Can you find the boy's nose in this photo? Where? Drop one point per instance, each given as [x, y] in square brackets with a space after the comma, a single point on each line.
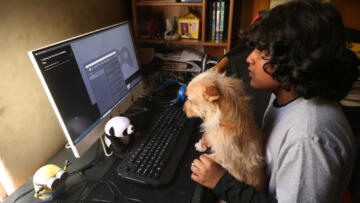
[250, 59]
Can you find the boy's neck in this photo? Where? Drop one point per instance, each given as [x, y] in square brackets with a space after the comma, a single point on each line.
[283, 96]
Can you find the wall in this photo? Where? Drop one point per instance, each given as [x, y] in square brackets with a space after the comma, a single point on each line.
[274, 3]
[30, 133]
[349, 10]
[249, 9]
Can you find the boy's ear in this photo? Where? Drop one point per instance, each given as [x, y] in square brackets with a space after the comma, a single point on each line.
[211, 93]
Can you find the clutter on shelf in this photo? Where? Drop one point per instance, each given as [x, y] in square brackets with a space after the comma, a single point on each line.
[181, 60]
[152, 27]
[170, 33]
[353, 98]
[185, 60]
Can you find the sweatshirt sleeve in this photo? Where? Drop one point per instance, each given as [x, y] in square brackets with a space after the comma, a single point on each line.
[231, 190]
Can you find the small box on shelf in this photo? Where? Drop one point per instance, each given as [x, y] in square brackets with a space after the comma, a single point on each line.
[189, 26]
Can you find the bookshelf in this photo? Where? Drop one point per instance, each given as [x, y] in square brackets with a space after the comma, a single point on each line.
[171, 9]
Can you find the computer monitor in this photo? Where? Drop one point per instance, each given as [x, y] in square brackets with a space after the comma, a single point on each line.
[88, 79]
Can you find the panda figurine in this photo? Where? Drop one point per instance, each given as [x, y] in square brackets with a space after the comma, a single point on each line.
[118, 134]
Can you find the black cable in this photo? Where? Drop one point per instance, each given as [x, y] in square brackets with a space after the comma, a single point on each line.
[82, 169]
[110, 186]
[128, 199]
[23, 194]
[88, 189]
[78, 185]
[84, 192]
[118, 190]
[95, 186]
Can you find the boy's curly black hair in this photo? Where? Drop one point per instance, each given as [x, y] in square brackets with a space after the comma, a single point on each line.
[305, 44]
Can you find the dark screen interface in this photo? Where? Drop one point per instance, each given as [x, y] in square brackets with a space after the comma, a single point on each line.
[89, 75]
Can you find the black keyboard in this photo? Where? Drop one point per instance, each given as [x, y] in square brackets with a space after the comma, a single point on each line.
[154, 159]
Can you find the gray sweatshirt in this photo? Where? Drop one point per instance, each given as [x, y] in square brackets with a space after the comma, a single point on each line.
[310, 151]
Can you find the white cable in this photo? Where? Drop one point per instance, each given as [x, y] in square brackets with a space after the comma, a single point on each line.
[104, 147]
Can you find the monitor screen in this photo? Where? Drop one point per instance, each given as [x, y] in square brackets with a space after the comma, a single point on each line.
[87, 78]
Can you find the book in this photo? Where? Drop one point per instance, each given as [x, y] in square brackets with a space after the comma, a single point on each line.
[217, 29]
[213, 21]
[222, 19]
[208, 21]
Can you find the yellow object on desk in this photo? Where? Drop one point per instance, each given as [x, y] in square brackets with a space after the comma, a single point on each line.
[189, 26]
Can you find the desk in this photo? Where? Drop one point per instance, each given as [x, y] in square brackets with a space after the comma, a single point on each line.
[181, 189]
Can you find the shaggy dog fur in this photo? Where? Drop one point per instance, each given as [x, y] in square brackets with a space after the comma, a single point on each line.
[228, 125]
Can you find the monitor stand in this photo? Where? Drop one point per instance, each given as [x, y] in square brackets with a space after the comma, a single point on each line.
[105, 148]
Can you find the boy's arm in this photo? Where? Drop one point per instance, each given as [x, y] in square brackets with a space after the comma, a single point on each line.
[231, 190]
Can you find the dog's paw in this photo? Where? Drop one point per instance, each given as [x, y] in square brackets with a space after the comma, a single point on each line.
[199, 147]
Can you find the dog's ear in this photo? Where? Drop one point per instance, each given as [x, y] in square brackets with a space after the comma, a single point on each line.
[211, 93]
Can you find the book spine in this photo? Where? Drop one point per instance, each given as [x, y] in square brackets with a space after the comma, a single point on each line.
[213, 21]
[222, 19]
[217, 32]
[208, 21]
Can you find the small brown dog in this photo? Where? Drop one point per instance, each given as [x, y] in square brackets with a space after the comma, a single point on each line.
[228, 125]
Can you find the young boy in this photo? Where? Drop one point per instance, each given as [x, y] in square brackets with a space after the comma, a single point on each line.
[300, 56]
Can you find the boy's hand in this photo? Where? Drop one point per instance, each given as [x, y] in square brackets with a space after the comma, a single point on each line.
[206, 172]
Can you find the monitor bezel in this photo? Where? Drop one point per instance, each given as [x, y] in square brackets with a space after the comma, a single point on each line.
[87, 141]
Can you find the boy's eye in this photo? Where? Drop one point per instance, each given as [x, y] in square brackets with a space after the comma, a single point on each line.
[266, 57]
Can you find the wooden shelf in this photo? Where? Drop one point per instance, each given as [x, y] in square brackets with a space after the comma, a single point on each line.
[139, 6]
[224, 43]
[184, 42]
[163, 41]
[150, 3]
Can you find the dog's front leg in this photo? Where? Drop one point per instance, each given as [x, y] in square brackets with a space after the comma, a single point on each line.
[199, 146]
[202, 144]
[214, 158]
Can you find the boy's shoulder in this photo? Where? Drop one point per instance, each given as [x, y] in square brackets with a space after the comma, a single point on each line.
[317, 119]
